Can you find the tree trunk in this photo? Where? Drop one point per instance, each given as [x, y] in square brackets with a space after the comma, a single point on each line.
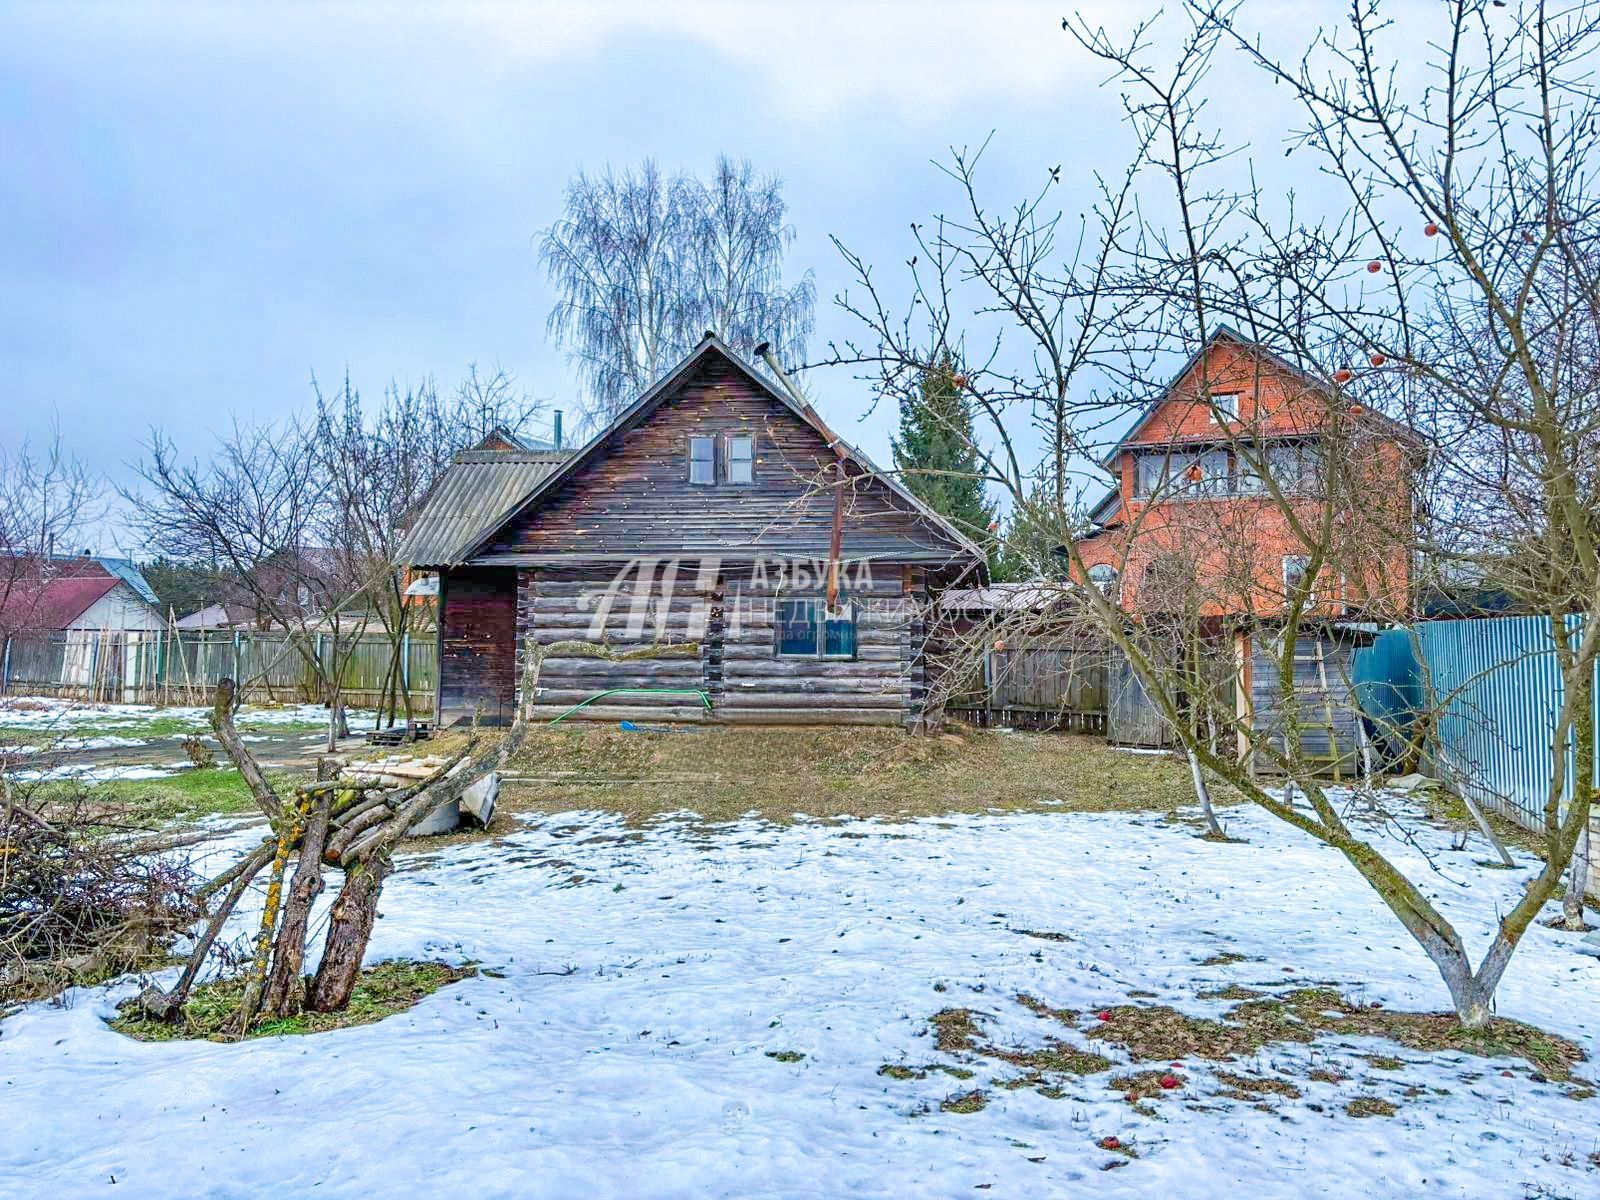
[285, 994]
[349, 929]
[1577, 883]
[289, 826]
[1203, 792]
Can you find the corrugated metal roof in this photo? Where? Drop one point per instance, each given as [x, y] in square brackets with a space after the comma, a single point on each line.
[481, 488]
[129, 573]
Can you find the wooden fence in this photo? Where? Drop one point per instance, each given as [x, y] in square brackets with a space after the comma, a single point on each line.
[183, 668]
[1038, 689]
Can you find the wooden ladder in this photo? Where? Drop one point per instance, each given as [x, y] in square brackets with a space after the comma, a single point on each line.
[1334, 757]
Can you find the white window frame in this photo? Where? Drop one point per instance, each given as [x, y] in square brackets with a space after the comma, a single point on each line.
[710, 441]
[729, 458]
[1225, 406]
[1108, 580]
[1303, 562]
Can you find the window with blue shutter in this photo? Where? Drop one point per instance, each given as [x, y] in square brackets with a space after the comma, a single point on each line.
[806, 629]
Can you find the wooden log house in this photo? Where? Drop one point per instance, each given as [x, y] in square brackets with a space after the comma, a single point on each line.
[688, 548]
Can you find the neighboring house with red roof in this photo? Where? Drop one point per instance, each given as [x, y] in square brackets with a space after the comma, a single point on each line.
[79, 608]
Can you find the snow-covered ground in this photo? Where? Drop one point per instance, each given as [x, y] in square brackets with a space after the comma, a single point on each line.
[695, 954]
[57, 715]
[68, 728]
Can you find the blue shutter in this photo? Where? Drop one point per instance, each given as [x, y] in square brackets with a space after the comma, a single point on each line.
[797, 627]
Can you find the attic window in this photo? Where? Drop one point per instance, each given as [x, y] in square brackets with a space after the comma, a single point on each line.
[741, 458]
[1224, 406]
[703, 460]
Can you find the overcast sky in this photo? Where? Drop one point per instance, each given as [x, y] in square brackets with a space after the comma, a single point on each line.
[200, 208]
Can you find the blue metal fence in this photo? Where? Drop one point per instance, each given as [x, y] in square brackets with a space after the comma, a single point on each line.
[1497, 685]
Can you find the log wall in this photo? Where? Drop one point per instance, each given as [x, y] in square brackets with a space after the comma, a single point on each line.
[713, 630]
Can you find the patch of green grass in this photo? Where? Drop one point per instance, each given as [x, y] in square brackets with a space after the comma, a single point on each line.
[1226, 958]
[1056, 1058]
[966, 1102]
[187, 795]
[383, 990]
[900, 1071]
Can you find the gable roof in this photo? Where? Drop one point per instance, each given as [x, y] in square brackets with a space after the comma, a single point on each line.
[1220, 333]
[55, 604]
[1399, 429]
[477, 518]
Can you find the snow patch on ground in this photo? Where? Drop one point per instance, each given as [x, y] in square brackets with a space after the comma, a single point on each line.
[45, 712]
[106, 774]
[696, 953]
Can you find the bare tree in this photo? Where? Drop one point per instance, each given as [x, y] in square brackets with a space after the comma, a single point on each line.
[1490, 158]
[644, 263]
[49, 501]
[376, 465]
[256, 510]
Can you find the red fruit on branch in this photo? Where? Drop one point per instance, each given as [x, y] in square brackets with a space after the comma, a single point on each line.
[1343, 376]
[999, 643]
[1378, 360]
[1430, 230]
[1374, 266]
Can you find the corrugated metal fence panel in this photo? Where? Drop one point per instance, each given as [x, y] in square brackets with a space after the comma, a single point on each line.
[1499, 687]
[1388, 686]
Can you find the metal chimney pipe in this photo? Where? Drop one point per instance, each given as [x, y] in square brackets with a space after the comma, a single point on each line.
[771, 359]
[556, 423]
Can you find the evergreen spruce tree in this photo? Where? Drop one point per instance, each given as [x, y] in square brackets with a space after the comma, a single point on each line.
[936, 455]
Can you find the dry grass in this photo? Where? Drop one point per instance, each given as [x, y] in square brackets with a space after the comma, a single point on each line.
[383, 990]
[1370, 1106]
[1162, 1034]
[781, 773]
[1156, 1032]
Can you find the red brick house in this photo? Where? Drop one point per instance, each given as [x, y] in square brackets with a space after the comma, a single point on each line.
[1191, 523]
[1189, 484]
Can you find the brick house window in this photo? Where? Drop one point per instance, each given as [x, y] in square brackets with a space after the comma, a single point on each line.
[1297, 577]
[1225, 406]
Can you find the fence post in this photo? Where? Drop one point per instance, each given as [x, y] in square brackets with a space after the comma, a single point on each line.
[5, 668]
[405, 663]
